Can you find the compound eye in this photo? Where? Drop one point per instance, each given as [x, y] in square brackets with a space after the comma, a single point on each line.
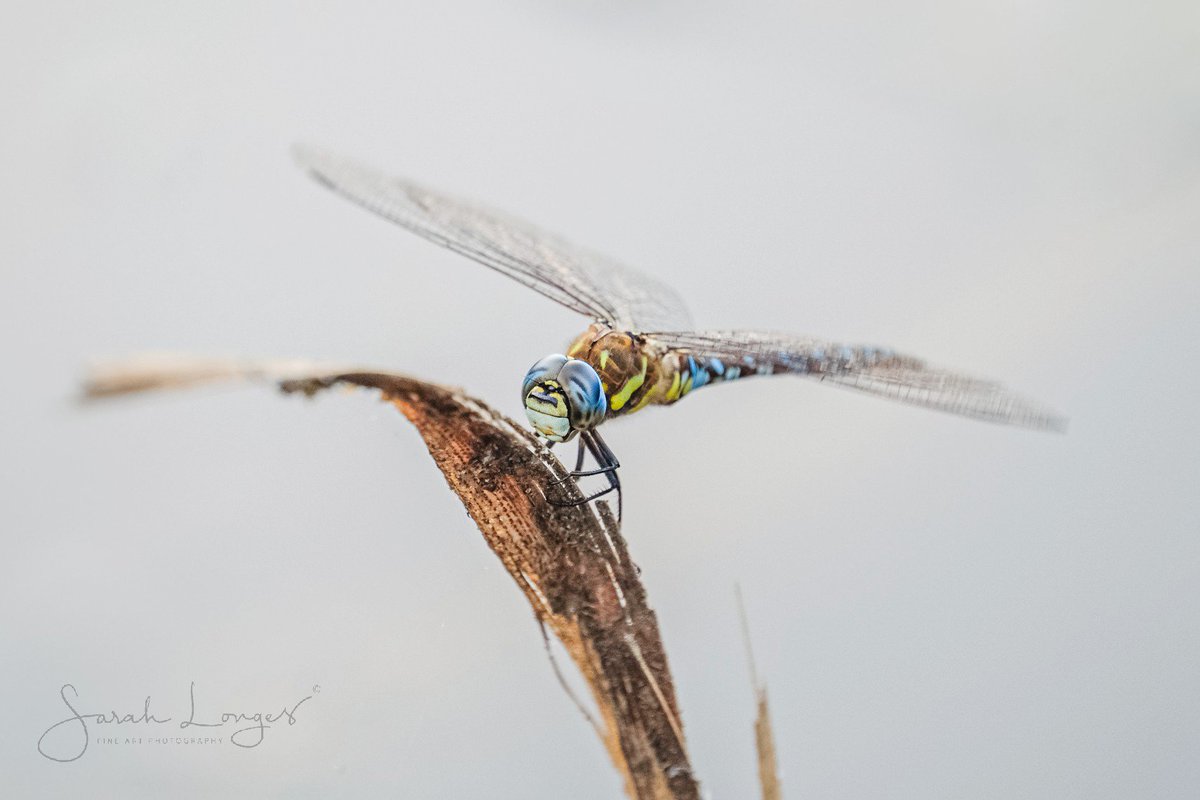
[546, 369]
[585, 394]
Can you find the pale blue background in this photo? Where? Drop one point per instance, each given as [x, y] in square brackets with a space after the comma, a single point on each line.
[942, 609]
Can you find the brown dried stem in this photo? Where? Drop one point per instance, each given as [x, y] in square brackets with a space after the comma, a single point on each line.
[570, 561]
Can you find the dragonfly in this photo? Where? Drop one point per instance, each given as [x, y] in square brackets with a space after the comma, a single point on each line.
[641, 349]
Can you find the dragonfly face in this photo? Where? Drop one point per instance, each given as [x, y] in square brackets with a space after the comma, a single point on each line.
[563, 396]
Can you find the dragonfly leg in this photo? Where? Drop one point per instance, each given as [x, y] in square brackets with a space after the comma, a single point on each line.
[579, 456]
[608, 466]
[579, 471]
[609, 459]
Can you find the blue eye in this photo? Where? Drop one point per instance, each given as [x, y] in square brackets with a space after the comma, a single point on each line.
[546, 369]
[585, 394]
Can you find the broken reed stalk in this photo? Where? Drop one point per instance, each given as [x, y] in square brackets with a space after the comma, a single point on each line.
[570, 562]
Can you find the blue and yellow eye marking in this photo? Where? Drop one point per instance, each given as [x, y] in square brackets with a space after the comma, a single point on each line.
[563, 396]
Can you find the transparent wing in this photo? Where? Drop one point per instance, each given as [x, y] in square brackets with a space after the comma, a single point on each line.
[575, 277]
[876, 371]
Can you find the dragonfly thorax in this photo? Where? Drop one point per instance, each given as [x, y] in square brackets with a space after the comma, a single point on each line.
[563, 396]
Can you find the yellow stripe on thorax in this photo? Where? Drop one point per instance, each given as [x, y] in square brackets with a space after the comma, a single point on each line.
[618, 400]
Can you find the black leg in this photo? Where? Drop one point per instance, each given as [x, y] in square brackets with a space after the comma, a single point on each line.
[579, 471]
[608, 458]
[579, 457]
[608, 466]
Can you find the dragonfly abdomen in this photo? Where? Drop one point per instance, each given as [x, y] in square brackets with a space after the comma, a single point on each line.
[636, 371]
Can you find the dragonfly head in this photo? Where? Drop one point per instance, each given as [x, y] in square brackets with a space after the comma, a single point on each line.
[562, 397]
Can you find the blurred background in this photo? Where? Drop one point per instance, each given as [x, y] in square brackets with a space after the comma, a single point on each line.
[940, 608]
